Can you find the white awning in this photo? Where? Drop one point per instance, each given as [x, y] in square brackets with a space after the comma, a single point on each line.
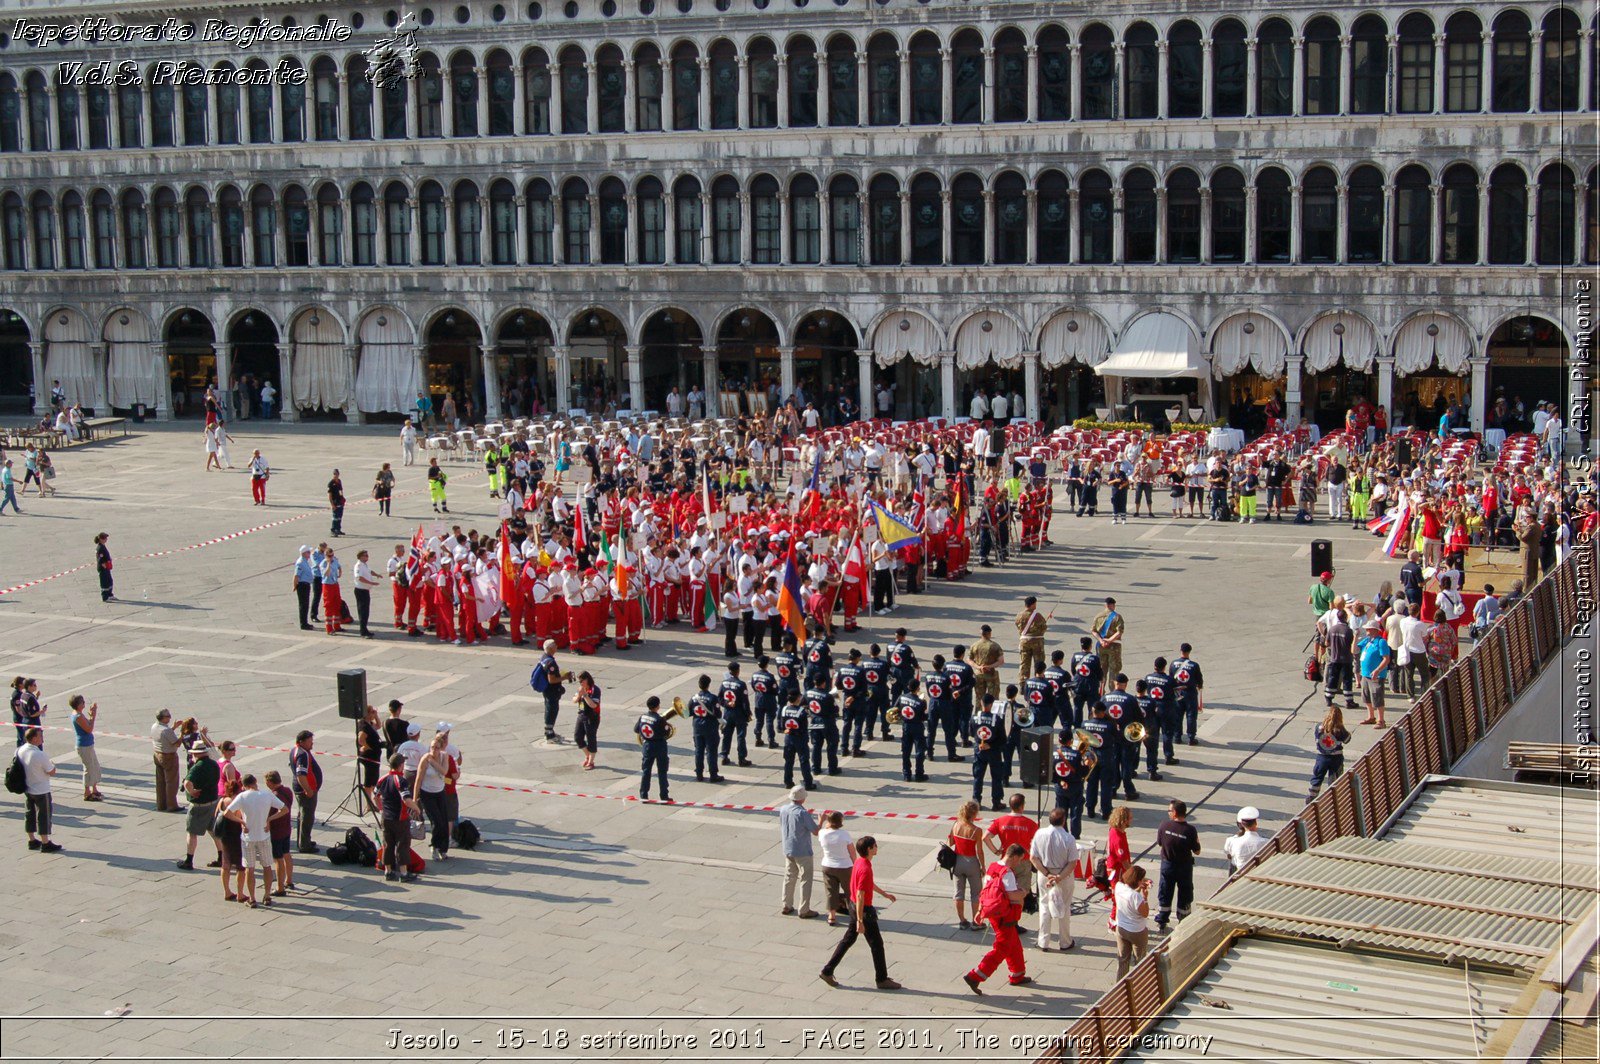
[1073, 336]
[1432, 338]
[1340, 337]
[1249, 341]
[1157, 345]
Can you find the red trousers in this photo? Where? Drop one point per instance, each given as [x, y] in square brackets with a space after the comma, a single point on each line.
[258, 490]
[619, 614]
[441, 623]
[658, 602]
[938, 547]
[633, 613]
[332, 607]
[577, 625]
[516, 605]
[852, 597]
[674, 597]
[467, 620]
[558, 623]
[1007, 947]
[541, 621]
[697, 604]
[401, 594]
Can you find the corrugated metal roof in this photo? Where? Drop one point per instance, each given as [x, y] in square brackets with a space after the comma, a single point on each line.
[1393, 849]
[1403, 896]
[1568, 1041]
[1268, 999]
[1540, 823]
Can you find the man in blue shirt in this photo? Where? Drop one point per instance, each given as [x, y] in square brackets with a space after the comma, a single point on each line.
[798, 829]
[8, 486]
[1374, 652]
[305, 574]
[424, 410]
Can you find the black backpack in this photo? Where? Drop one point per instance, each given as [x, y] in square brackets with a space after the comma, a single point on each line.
[339, 853]
[360, 848]
[16, 776]
[466, 834]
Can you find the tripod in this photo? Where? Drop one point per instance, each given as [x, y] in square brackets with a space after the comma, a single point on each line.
[361, 810]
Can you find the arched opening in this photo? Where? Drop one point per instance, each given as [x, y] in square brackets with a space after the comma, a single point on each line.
[1369, 66]
[1463, 62]
[883, 81]
[1011, 218]
[1431, 353]
[387, 380]
[525, 362]
[1053, 224]
[1508, 215]
[1527, 356]
[1413, 210]
[16, 366]
[905, 349]
[747, 358]
[452, 366]
[1071, 344]
[1557, 236]
[647, 88]
[253, 341]
[989, 350]
[805, 221]
[826, 366]
[1183, 216]
[1513, 48]
[883, 201]
[966, 78]
[1231, 69]
[1364, 224]
[1139, 216]
[1558, 72]
[1010, 76]
[191, 362]
[1249, 357]
[536, 91]
[320, 370]
[1322, 67]
[671, 357]
[844, 216]
[844, 102]
[803, 80]
[1141, 77]
[463, 95]
[1340, 350]
[1095, 228]
[1459, 224]
[613, 221]
[966, 220]
[597, 343]
[1097, 87]
[927, 221]
[762, 60]
[69, 359]
[927, 81]
[724, 73]
[1055, 75]
[574, 90]
[685, 87]
[611, 84]
[129, 376]
[1415, 82]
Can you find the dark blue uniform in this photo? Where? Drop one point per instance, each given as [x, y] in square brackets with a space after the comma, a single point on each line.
[1151, 715]
[1187, 683]
[819, 662]
[913, 714]
[788, 669]
[653, 730]
[1329, 766]
[1039, 696]
[1060, 681]
[941, 711]
[1102, 783]
[877, 674]
[989, 733]
[961, 680]
[1086, 677]
[705, 715]
[765, 686]
[1069, 770]
[855, 709]
[1163, 700]
[902, 667]
[735, 717]
[1122, 709]
[824, 717]
[792, 723]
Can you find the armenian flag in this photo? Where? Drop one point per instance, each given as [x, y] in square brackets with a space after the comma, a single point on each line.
[790, 608]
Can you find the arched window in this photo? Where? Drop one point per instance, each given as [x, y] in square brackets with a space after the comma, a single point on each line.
[1183, 215]
[1319, 216]
[1364, 221]
[1227, 215]
[613, 221]
[574, 91]
[844, 218]
[843, 93]
[1513, 43]
[502, 223]
[163, 112]
[395, 106]
[1274, 68]
[502, 94]
[1416, 65]
[1010, 218]
[688, 220]
[358, 97]
[536, 91]
[1459, 222]
[258, 102]
[430, 201]
[575, 221]
[67, 104]
[1508, 216]
[966, 220]
[927, 81]
[805, 221]
[1558, 76]
[325, 93]
[647, 88]
[803, 73]
[1053, 239]
[44, 232]
[649, 195]
[230, 214]
[463, 95]
[1554, 221]
[168, 230]
[1230, 60]
[430, 96]
[927, 221]
[195, 100]
[766, 221]
[16, 227]
[685, 87]
[1322, 67]
[1055, 75]
[296, 226]
[227, 102]
[130, 116]
[134, 249]
[1097, 73]
[883, 81]
[1141, 77]
[1413, 216]
[1138, 215]
[292, 98]
[330, 226]
[1463, 62]
[468, 224]
[883, 199]
[103, 220]
[611, 84]
[363, 226]
[72, 251]
[1010, 76]
[198, 206]
[966, 78]
[1185, 71]
[396, 224]
[1094, 217]
[1274, 216]
[10, 120]
[1369, 66]
[99, 100]
[724, 73]
[541, 222]
[38, 113]
[725, 220]
[763, 74]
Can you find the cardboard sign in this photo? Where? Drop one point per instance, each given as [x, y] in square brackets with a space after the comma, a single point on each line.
[505, 511]
[738, 504]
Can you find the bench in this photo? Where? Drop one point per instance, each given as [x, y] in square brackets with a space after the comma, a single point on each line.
[49, 438]
[93, 425]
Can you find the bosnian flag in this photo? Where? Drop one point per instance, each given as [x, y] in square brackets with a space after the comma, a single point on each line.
[1392, 543]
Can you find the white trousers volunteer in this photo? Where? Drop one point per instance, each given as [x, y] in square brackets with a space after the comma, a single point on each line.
[1055, 910]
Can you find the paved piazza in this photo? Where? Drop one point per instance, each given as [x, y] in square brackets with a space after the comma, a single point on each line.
[582, 915]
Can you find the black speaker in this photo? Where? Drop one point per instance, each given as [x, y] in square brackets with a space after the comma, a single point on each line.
[1321, 556]
[1402, 451]
[1035, 750]
[353, 693]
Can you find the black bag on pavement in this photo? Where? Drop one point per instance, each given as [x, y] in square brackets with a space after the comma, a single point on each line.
[338, 853]
[466, 834]
[360, 849]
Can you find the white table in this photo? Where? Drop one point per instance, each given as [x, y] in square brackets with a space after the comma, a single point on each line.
[1494, 439]
[1225, 439]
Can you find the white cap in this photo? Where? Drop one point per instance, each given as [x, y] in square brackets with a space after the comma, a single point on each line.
[1249, 812]
[797, 794]
[414, 729]
[304, 549]
[443, 727]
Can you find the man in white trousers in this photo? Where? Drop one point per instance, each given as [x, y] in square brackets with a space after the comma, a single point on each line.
[1054, 855]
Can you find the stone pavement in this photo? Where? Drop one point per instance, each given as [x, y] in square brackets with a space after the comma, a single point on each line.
[578, 916]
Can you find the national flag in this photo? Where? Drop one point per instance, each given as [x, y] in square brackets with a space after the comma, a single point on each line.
[1393, 543]
[1379, 524]
[895, 532]
[579, 541]
[672, 511]
[812, 496]
[958, 530]
[414, 558]
[790, 606]
[855, 560]
[508, 575]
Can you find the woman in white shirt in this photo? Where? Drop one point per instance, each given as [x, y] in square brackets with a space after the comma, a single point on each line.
[838, 858]
[1133, 917]
[429, 792]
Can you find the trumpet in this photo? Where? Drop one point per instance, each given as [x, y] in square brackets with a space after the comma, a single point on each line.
[1086, 739]
[1024, 716]
[1135, 732]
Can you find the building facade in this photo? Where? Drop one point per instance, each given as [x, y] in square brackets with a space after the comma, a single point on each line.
[594, 201]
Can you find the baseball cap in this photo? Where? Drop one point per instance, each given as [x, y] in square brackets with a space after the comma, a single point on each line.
[1249, 812]
[1327, 574]
[413, 729]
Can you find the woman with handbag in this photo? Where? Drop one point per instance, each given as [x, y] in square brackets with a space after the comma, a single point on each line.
[432, 772]
[383, 489]
[966, 838]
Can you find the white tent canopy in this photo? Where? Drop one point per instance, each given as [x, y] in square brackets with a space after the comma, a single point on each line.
[1340, 337]
[1158, 345]
[1429, 338]
[1249, 341]
[1073, 336]
[906, 335]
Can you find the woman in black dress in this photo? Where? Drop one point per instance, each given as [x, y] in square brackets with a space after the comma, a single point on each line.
[230, 842]
[369, 751]
[102, 562]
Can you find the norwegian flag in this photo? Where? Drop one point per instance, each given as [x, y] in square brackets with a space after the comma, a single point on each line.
[414, 558]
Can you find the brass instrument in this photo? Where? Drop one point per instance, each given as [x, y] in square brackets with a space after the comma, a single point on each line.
[1086, 739]
[1135, 732]
[891, 716]
[1024, 716]
[677, 710]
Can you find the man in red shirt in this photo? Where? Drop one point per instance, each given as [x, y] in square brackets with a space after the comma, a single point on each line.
[865, 922]
[1015, 829]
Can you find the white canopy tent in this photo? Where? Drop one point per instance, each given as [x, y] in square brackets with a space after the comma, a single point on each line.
[1158, 346]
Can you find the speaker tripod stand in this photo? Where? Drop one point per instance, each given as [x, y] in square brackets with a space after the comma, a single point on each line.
[361, 809]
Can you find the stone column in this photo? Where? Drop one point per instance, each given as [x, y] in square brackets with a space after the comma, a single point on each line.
[862, 118]
[746, 237]
[824, 88]
[864, 396]
[703, 202]
[1388, 224]
[519, 100]
[1295, 214]
[635, 354]
[1291, 394]
[563, 397]
[491, 383]
[592, 118]
[1205, 225]
[1117, 68]
[905, 88]
[225, 374]
[1438, 73]
[1073, 68]
[1074, 251]
[1529, 245]
[1478, 366]
[630, 240]
[101, 353]
[41, 384]
[670, 203]
[288, 411]
[705, 92]
[1485, 66]
[944, 227]
[785, 372]
[1030, 385]
[741, 117]
[1483, 221]
[1436, 224]
[481, 127]
[1536, 71]
[163, 396]
[630, 103]
[1585, 70]
[947, 383]
[1299, 75]
[1033, 82]
[947, 91]
[1342, 216]
[986, 106]
[341, 105]
[783, 90]
[1386, 384]
[824, 227]
[1206, 78]
[1344, 73]
[352, 413]
[1250, 223]
[280, 234]
[1161, 224]
[1250, 77]
[905, 228]
[414, 232]
[863, 239]
[1117, 227]
[1033, 226]
[713, 385]
[1162, 97]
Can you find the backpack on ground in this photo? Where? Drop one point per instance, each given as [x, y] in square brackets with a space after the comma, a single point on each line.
[1313, 669]
[339, 853]
[466, 834]
[993, 902]
[16, 776]
[361, 850]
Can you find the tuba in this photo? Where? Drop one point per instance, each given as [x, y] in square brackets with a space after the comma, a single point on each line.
[675, 711]
[1086, 739]
[1023, 716]
[1135, 732]
[1085, 743]
[891, 717]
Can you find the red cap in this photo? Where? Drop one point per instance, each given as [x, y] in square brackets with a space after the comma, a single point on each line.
[1327, 575]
